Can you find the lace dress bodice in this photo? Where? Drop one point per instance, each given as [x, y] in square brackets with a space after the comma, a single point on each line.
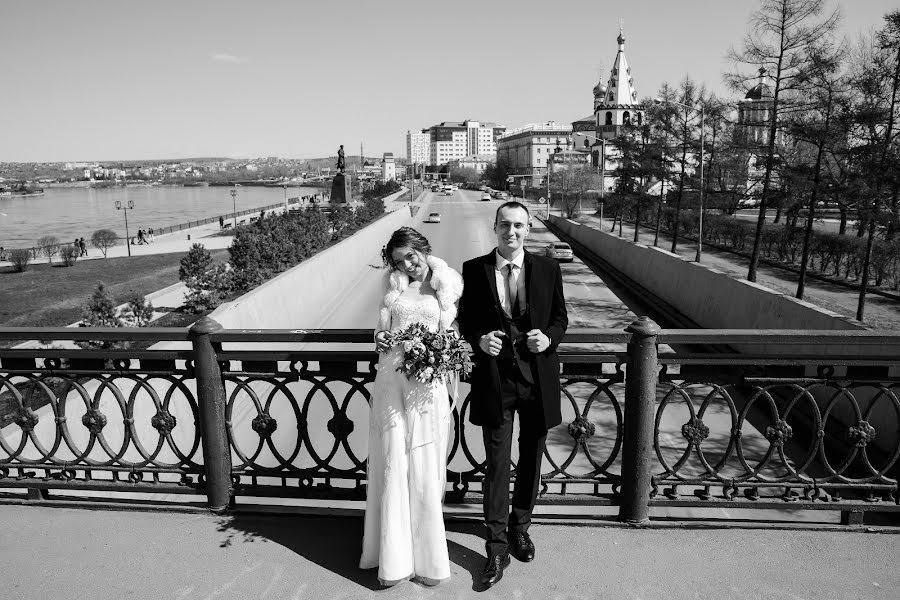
[408, 309]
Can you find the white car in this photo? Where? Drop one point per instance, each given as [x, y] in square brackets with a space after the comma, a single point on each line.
[561, 251]
[433, 218]
[485, 196]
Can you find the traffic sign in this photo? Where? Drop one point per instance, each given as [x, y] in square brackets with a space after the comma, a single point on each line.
[542, 200]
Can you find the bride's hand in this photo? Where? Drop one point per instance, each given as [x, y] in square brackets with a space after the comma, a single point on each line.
[381, 341]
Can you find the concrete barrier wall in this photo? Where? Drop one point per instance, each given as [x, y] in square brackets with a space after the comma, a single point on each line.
[296, 298]
[710, 298]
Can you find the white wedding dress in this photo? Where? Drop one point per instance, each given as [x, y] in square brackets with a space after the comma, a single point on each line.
[409, 432]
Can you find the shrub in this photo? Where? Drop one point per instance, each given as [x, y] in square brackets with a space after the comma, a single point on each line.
[137, 312]
[207, 284]
[69, 254]
[20, 258]
[100, 311]
[48, 245]
[103, 240]
[195, 263]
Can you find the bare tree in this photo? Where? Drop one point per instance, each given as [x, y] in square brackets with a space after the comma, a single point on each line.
[781, 33]
[685, 133]
[103, 240]
[884, 72]
[824, 88]
[48, 245]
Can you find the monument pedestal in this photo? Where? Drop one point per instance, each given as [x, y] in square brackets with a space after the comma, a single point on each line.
[340, 189]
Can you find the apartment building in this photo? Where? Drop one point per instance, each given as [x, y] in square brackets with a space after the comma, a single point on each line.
[456, 140]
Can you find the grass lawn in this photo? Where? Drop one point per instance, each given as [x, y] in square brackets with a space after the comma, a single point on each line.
[52, 295]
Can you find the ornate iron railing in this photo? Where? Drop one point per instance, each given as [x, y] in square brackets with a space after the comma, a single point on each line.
[238, 414]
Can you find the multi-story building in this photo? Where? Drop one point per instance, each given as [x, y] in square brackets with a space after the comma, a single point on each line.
[417, 147]
[388, 167]
[527, 150]
[452, 140]
[479, 162]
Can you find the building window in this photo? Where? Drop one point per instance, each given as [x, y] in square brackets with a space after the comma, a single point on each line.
[609, 118]
[639, 118]
[626, 118]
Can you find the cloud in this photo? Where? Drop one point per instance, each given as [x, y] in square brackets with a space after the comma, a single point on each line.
[230, 58]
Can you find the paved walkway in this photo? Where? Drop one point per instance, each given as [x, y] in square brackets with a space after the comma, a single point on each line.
[63, 553]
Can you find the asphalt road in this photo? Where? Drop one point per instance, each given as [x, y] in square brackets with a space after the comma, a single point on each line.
[466, 231]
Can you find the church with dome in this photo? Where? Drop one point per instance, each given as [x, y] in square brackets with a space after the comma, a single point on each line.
[615, 106]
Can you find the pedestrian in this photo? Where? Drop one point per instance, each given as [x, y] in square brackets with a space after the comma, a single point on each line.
[513, 313]
[150, 233]
[83, 247]
[221, 222]
[141, 239]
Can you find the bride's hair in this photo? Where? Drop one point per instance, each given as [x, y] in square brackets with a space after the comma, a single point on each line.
[404, 237]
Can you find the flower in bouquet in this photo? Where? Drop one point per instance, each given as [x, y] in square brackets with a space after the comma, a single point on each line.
[430, 355]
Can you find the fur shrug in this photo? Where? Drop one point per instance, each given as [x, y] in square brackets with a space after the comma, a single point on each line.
[447, 284]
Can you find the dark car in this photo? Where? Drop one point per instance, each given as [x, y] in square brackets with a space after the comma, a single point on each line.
[561, 251]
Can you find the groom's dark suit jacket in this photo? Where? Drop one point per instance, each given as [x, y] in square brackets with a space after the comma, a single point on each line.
[480, 312]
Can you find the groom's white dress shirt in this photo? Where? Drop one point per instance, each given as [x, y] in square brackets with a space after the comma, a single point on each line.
[500, 271]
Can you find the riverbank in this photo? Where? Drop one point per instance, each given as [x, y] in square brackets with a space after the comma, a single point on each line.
[69, 213]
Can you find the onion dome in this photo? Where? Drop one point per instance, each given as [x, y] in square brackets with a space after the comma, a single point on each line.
[762, 90]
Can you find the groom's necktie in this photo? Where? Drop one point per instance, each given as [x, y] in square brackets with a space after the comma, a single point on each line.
[512, 290]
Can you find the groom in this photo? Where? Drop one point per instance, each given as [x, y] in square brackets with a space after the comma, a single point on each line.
[513, 313]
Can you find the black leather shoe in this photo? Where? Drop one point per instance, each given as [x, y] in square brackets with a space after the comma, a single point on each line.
[493, 569]
[521, 546]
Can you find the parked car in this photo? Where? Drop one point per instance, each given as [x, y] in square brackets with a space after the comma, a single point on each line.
[561, 251]
[485, 196]
[433, 218]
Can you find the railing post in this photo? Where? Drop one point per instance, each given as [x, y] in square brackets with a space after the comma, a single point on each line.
[637, 438]
[211, 401]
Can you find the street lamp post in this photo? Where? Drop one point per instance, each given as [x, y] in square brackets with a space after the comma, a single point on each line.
[234, 207]
[126, 206]
[702, 110]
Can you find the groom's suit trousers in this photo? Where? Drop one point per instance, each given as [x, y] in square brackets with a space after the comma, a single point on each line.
[517, 397]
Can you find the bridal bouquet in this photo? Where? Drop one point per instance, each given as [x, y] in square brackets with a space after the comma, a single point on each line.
[430, 355]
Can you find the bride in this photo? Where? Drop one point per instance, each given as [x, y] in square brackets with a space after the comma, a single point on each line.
[410, 424]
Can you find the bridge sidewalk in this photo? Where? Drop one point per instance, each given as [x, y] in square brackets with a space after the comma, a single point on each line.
[55, 553]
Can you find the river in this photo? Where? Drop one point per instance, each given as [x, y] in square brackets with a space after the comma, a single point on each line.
[68, 213]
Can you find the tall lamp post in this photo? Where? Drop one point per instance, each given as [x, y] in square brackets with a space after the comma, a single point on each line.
[126, 206]
[234, 207]
[601, 169]
[701, 109]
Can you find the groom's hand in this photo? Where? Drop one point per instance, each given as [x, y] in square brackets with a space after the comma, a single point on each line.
[490, 343]
[537, 341]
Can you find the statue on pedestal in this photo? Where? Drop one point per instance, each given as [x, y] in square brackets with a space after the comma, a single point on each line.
[340, 162]
[340, 185]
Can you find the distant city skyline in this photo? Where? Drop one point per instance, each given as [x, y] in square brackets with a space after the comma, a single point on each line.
[107, 80]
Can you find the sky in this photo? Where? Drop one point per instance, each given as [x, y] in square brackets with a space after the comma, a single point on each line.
[128, 80]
